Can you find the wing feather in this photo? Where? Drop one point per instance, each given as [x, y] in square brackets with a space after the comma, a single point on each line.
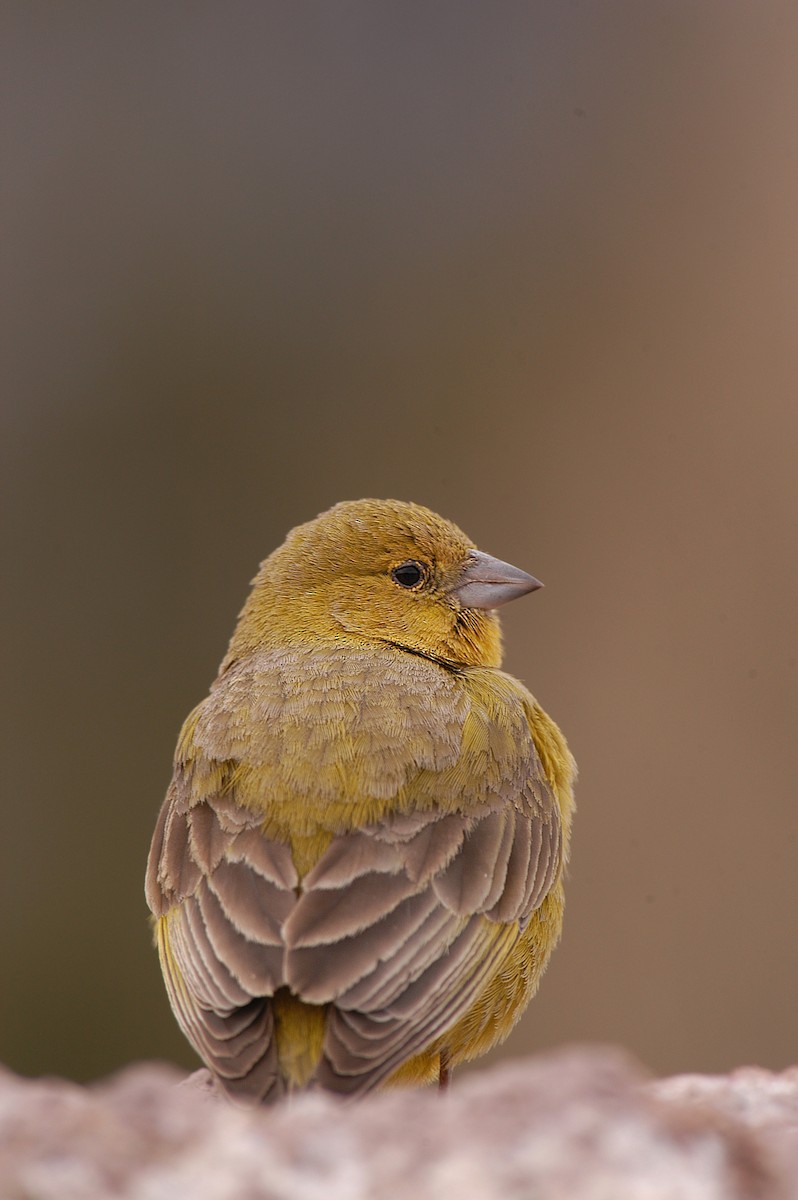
[256, 967]
[178, 873]
[348, 859]
[465, 884]
[322, 974]
[207, 840]
[270, 859]
[498, 865]
[254, 906]
[510, 904]
[384, 1041]
[434, 846]
[430, 938]
[207, 975]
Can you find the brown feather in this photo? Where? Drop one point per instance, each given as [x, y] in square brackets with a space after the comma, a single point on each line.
[509, 905]
[328, 915]
[253, 905]
[432, 849]
[324, 973]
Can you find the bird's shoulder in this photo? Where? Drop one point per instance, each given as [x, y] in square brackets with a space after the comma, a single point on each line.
[502, 706]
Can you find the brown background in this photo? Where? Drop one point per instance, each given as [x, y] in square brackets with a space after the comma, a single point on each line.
[532, 264]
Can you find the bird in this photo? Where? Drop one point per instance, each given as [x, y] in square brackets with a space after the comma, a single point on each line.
[356, 878]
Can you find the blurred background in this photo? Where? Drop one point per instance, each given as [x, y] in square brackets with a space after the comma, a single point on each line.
[534, 265]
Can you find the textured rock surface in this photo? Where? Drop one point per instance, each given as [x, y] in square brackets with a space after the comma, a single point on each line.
[580, 1124]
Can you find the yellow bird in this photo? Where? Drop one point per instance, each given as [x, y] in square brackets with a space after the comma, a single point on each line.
[357, 873]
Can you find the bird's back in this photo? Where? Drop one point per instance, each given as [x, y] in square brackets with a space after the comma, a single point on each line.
[358, 866]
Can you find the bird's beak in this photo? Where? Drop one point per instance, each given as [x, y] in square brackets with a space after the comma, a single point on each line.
[488, 582]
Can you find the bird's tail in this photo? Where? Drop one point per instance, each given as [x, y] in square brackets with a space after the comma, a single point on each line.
[299, 1037]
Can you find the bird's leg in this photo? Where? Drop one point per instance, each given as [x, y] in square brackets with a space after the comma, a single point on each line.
[444, 1071]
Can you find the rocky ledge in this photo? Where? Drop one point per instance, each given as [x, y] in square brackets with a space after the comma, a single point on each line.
[578, 1124]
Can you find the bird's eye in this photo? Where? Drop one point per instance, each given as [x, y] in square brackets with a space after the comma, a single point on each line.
[409, 574]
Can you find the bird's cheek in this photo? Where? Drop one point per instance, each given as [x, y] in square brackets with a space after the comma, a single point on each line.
[355, 615]
[402, 623]
[347, 617]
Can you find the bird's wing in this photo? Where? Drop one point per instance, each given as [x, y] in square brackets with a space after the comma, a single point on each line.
[221, 891]
[401, 926]
[398, 926]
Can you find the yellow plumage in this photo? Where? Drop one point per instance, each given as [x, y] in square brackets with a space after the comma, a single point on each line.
[358, 870]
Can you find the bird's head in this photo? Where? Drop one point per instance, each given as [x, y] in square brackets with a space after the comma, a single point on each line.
[385, 571]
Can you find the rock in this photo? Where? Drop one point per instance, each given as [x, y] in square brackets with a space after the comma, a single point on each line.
[580, 1124]
[764, 1103]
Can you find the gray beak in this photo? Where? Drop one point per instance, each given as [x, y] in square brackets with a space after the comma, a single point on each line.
[488, 582]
